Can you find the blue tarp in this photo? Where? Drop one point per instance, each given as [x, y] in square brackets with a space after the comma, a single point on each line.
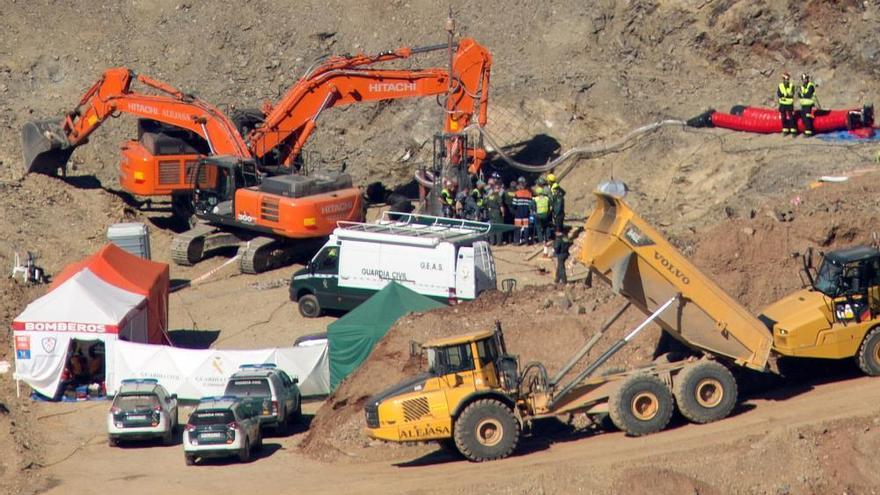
[847, 136]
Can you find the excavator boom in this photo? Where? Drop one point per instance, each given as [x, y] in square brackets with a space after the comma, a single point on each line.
[642, 266]
[344, 81]
[48, 144]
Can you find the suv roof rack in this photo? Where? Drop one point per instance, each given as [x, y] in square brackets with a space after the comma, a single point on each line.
[141, 380]
[215, 398]
[258, 366]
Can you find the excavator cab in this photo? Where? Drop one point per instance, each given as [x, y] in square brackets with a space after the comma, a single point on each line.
[214, 190]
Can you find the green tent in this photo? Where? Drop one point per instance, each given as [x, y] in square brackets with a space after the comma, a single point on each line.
[352, 337]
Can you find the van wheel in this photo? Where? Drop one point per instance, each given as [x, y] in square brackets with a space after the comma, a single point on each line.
[282, 426]
[309, 306]
[642, 405]
[869, 353]
[486, 430]
[705, 391]
[168, 437]
[296, 416]
[244, 455]
[112, 442]
[190, 459]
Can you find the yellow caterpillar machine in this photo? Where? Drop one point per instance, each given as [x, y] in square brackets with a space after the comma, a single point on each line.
[476, 397]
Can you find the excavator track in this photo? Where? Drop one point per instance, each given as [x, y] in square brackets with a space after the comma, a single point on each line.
[188, 248]
[261, 254]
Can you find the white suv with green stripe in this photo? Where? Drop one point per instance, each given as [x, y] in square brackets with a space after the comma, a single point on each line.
[142, 409]
[221, 427]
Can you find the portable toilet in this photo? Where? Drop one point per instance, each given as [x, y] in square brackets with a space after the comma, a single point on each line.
[132, 237]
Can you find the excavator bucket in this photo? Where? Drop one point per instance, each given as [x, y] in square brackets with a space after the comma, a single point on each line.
[45, 147]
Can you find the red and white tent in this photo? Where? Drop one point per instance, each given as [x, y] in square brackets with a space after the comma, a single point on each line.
[112, 295]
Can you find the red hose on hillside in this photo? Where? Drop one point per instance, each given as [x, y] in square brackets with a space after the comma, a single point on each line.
[768, 121]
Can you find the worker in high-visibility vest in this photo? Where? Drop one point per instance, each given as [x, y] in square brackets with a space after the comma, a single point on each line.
[522, 202]
[478, 194]
[447, 199]
[542, 216]
[785, 94]
[807, 98]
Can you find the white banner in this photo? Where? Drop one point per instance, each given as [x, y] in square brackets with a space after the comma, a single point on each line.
[193, 374]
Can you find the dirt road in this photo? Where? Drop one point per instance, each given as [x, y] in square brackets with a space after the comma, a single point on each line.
[674, 460]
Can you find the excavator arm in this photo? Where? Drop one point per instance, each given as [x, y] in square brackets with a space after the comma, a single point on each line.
[48, 144]
[343, 81]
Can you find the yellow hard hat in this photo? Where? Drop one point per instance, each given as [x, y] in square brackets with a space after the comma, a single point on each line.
[539, 190]
[551, 178]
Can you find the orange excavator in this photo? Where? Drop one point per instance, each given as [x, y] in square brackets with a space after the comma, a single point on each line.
[238, 205]
[186, 145]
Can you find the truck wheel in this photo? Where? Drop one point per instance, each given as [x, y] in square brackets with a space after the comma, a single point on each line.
[190, 459]
[486, 430]
[112, 442]
[705, 391]
[309, 306]
[642, 405]
[244, 455]
[869, 353]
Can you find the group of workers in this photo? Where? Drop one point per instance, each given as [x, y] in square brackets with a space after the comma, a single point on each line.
[806, 97]
[537, 212]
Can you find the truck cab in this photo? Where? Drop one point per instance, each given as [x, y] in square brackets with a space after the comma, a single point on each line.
[831, 317]
[461, 370]
[445, 261]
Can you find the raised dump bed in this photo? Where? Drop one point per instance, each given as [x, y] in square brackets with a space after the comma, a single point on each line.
[642, 266]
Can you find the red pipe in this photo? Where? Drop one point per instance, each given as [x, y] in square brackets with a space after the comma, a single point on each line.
[768, 121]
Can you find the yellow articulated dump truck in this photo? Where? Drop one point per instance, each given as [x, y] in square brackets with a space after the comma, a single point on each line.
[476, 397]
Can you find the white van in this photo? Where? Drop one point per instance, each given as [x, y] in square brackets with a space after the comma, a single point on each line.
[445, 259]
